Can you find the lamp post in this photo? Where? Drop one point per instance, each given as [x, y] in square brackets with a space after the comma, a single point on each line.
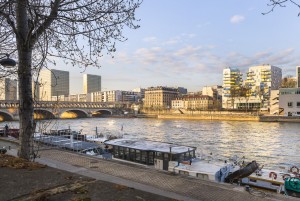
[7, 62]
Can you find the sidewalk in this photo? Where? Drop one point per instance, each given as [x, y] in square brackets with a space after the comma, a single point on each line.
[149, 179]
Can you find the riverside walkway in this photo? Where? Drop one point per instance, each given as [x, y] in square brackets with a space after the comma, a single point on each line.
[149, 179]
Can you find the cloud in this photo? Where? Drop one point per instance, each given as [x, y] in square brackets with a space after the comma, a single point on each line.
[195, 65]
[237, 19]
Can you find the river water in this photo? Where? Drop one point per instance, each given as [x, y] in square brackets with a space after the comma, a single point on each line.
[275, 144]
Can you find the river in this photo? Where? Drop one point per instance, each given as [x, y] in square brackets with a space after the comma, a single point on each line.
[273, 144]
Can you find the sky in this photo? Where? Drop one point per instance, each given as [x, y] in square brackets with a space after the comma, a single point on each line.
[188, 43]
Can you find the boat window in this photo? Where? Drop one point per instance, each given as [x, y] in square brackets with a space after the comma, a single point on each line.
[275, 184]
[252, 180]
[183, 172]
[202, 176]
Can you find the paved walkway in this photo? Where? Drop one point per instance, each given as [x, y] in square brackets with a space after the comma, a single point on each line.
[149, 179]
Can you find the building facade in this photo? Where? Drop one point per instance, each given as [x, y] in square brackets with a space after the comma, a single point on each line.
[91, 83]
[298, 76]
[232, 81]
[53, 83]
[8, 89]
[259, 83]
[215, 92]
[160, 97]
[193, 102]
[289, 101]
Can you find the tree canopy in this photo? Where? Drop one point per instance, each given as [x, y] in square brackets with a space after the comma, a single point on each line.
[39, 31]
[76, 30]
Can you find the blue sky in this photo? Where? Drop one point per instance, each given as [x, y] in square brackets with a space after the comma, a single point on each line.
[189, 43]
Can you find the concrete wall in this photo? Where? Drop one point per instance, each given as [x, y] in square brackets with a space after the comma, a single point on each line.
[227, 117]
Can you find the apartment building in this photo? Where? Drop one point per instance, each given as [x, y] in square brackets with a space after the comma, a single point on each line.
[53, 83]
[129, 96]
[232, 81]
[160, 97]
[140, 93]
[215, 92]
[193, 102]
[91, 83]
[260, 81]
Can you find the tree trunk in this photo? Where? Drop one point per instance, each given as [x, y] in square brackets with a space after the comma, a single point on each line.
[25, 81]
[26, 104]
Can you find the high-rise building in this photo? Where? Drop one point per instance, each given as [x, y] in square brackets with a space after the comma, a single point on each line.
[91, 83]
[260, 81]
[53, 83]
[232, 81]
[298, 76]
[8, 89]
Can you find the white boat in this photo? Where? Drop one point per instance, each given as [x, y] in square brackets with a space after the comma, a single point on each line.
[231, 172]
[204, 169]
[270, 179]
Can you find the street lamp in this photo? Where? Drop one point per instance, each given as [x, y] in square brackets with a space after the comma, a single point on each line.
[7, 62]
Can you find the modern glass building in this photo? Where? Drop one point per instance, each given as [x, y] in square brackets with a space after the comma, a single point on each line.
[53, 83]
[91, 83]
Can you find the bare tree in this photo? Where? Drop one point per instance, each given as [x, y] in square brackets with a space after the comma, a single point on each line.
[281, 3]
[38, 32]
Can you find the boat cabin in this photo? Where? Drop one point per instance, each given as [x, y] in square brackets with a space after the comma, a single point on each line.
[150, 152]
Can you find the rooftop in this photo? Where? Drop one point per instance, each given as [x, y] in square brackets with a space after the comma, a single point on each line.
[151, 146]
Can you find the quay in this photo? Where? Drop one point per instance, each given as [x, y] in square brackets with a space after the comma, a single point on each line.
[148, 179]
[219, 116]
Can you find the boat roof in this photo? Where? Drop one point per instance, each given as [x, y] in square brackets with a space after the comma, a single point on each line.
[65, 142]
[147, 145]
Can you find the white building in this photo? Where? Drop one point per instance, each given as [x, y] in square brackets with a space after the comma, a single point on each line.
[91, 83]
[232, 81]
[260, 81]
[274, 102]
[106, 96]
[53, 83]
[289, 101]
[140, 93]
[8, 89]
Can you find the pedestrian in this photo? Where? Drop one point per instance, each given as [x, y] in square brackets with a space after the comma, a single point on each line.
[6, 130]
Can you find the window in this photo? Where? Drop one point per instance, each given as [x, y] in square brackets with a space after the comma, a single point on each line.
[290, 104]
[298, 104]
[183, 172]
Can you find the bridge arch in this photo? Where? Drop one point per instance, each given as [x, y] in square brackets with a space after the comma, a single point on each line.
[101, 113]
[4, 116]
[73, 114]
[43, 114]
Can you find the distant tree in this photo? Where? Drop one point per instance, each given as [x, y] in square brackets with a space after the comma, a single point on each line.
[39, 31]
[243, 93]
[288, 82]
[234, 93]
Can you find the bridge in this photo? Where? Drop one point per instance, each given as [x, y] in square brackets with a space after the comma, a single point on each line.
[9, 110]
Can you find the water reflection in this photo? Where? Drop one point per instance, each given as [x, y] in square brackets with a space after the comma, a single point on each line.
[272, 144]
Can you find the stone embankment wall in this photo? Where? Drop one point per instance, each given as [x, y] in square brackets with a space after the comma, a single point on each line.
[228, 117]
[279, 119]
[219, 115]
